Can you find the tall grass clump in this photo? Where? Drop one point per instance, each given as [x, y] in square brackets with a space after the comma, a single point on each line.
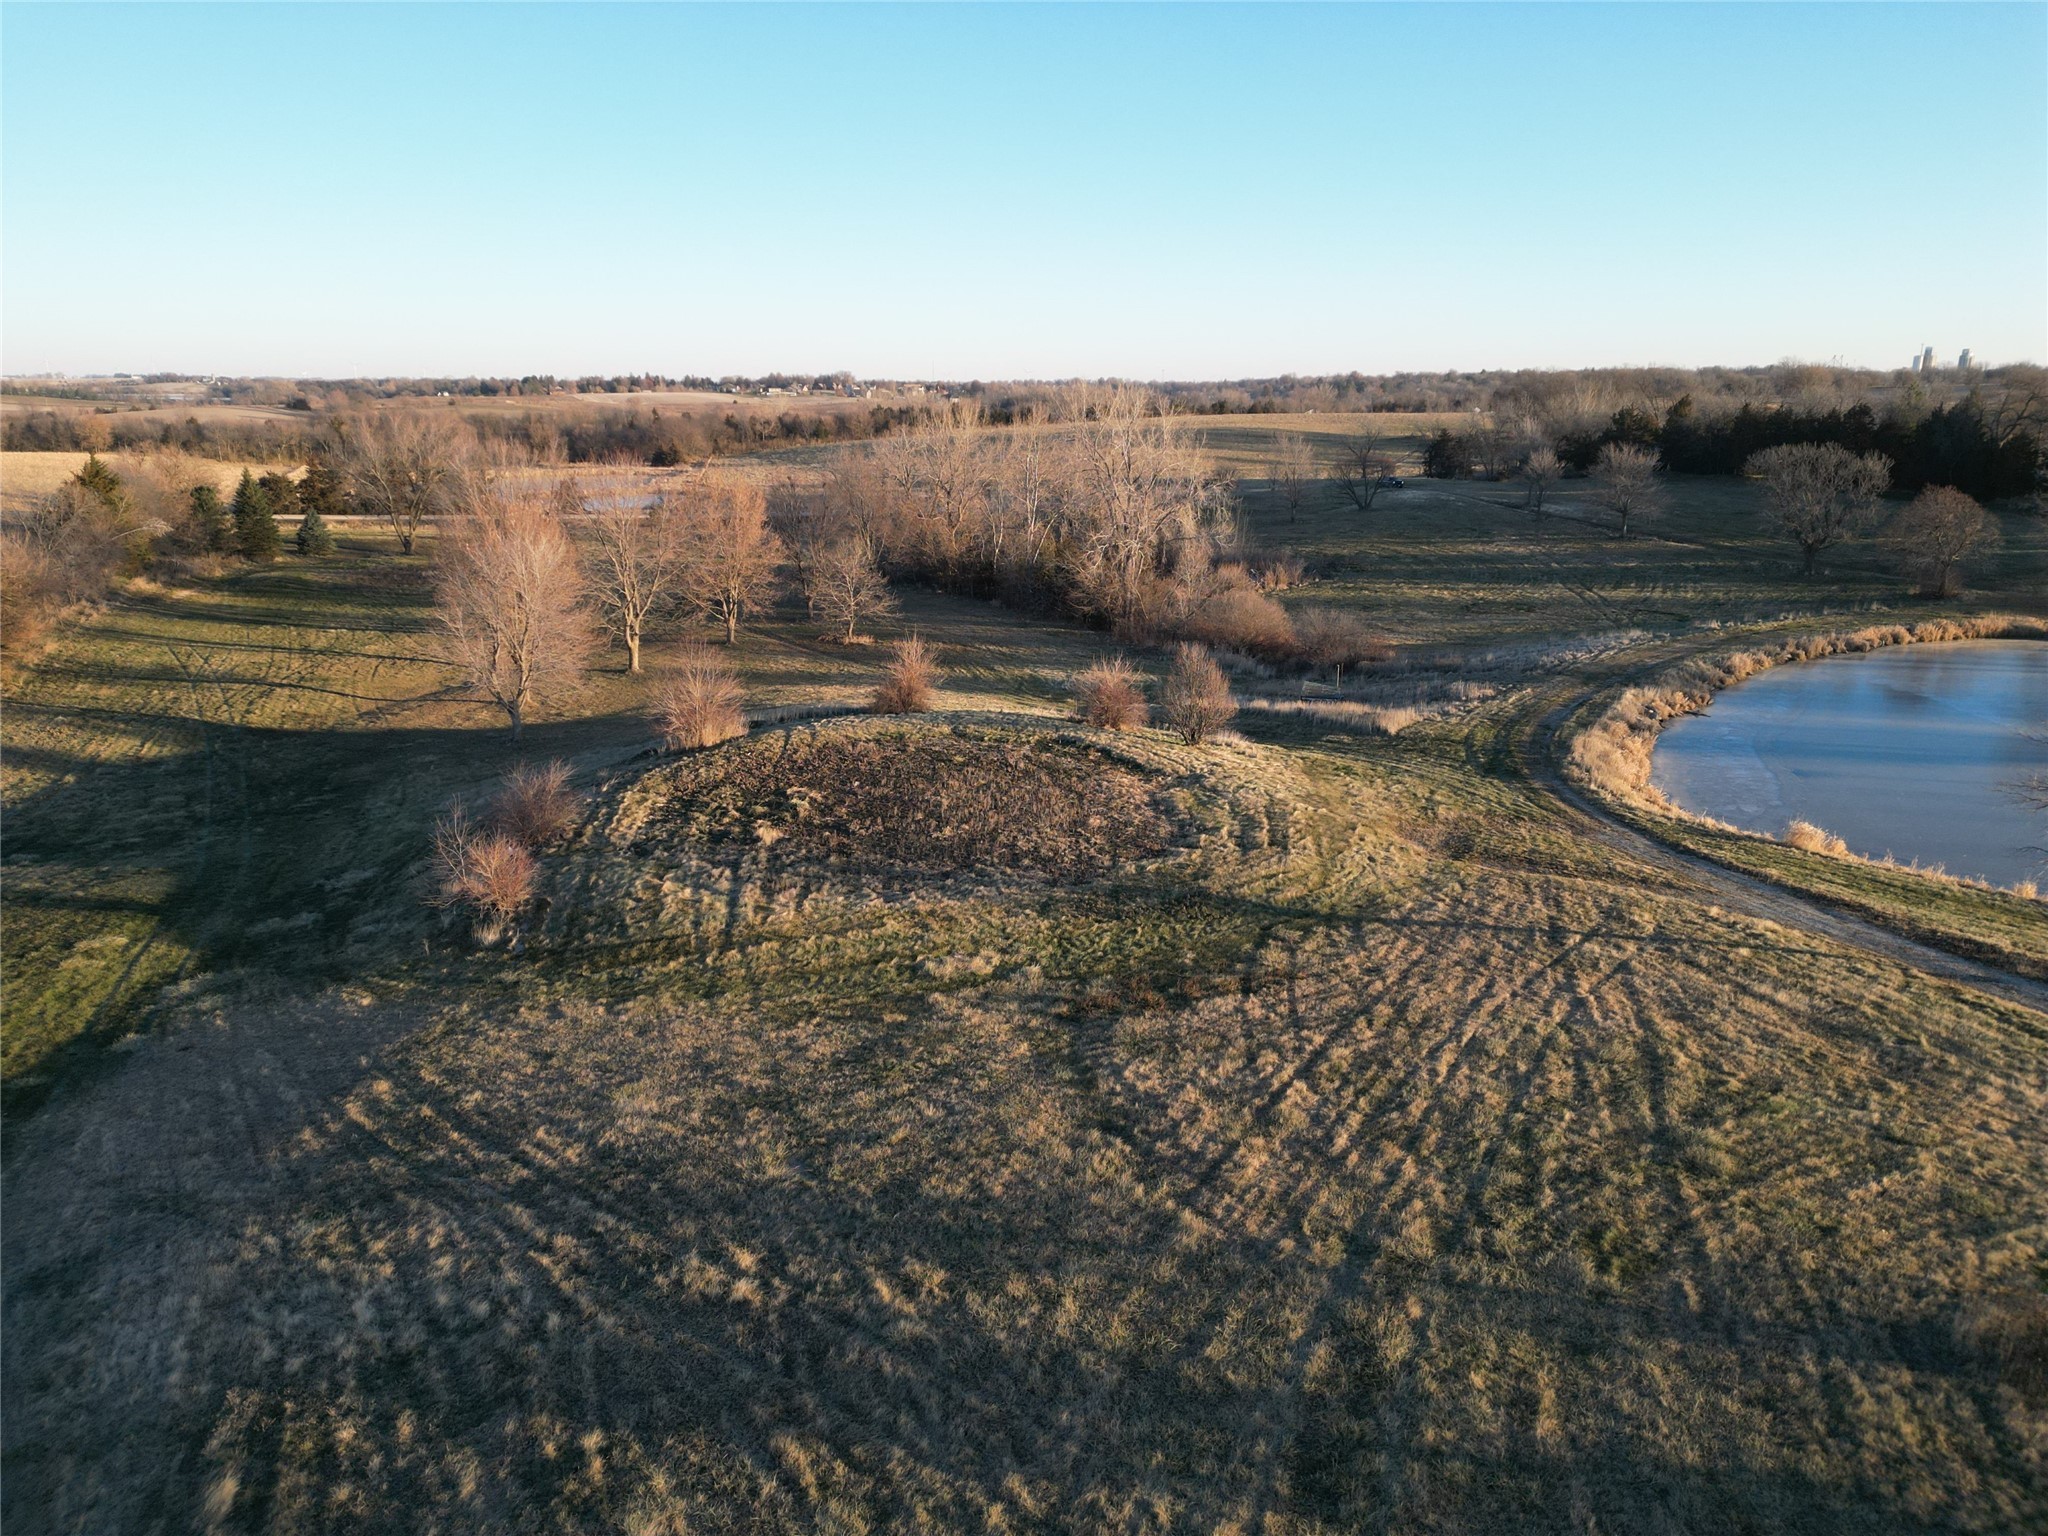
[906, 688]
[1196, 697]
[1812, 839]
[1108, 696]
[699, 704]
[535, 804]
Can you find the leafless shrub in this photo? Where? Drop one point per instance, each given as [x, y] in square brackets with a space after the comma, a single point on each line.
[1108, 696]
[82, 542]
[698, 705]
[1337, 638]
[1196, 698]
[536, 804]
[30, 593]
[906, 688]
[491, 872]
[1812, 839]
[1280, 571]
[1241, 617]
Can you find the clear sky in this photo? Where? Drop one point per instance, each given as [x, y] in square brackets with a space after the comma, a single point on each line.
[1029, 191]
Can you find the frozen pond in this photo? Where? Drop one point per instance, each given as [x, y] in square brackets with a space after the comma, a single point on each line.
[1910, 751]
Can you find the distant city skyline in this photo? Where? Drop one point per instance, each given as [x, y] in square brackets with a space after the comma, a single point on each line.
[1017, 192]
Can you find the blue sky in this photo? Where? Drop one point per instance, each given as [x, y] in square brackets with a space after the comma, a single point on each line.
[1010, 191]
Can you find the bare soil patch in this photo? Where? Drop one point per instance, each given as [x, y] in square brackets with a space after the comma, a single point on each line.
[934, 802]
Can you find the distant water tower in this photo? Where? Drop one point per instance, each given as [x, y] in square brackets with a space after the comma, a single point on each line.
[1927, 360]
[1964, 361]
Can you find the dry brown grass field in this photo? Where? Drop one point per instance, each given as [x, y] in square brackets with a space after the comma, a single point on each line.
[1311, 1131]
[128, 412]
[27, 477]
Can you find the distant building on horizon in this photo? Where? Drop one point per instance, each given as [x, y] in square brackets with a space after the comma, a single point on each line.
[1927, 360]
[1963, 362]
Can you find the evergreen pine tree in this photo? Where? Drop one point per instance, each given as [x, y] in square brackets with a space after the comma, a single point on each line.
[102, 482]
[283, 492]
[210, 520]
[314, 536]
[320, 490]
[256, 533]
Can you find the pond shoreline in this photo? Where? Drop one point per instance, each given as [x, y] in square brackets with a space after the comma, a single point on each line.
[1612, 756]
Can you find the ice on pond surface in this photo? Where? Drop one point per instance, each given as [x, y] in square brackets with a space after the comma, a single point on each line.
[1914, 751]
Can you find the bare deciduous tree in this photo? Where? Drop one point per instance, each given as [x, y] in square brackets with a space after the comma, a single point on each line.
[636, 558]
[851, 588]
[1820, 493]
[1935, 535]
[1629, 483]
[1540, 471]
[1495, 443]
[1362, 467]
[1294, 470]
[938, 474]
[403, 466]
[510, 600]
[804, 521]
[731, 554]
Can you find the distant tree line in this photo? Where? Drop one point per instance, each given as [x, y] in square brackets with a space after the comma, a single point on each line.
[1989, 448]
[1958, 445]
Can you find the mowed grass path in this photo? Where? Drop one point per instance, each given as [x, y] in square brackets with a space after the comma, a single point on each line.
[1433, 1172]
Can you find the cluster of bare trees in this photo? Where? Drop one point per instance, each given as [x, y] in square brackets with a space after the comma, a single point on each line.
[528, 576]
[706, 550]
[1116, 517]
[1821, 495]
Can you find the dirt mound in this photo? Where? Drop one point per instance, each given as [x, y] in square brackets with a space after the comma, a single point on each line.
[926, 801]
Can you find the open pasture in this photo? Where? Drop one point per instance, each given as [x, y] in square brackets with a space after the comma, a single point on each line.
[1373, 1150]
